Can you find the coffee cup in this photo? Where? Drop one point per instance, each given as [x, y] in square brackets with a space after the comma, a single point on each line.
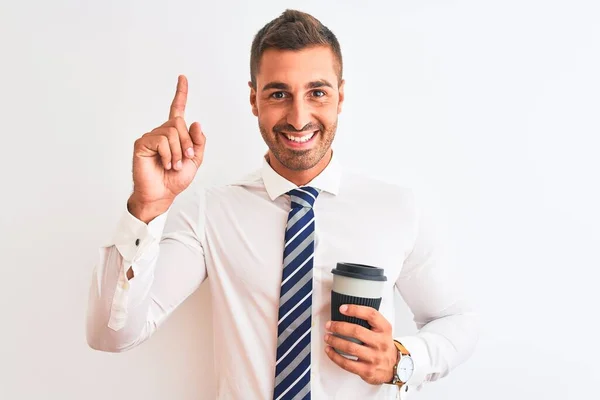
[355, 284]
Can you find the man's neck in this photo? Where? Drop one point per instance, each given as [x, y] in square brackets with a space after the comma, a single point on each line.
[299, 178]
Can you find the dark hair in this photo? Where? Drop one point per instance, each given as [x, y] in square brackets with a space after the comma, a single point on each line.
[293, 30]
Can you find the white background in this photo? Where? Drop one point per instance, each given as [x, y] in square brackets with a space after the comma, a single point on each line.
[489, 108]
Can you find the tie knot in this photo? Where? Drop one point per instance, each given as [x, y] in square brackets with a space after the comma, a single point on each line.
[303, 196]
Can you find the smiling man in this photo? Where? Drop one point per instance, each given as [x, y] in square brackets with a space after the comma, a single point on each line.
[267, 245]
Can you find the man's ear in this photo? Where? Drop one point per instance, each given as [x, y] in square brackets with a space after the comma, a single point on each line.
[341, 96]
[253, 99]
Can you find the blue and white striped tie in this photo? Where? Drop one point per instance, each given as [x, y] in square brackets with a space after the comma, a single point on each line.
[292, 370]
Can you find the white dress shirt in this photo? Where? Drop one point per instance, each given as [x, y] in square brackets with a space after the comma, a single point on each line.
[234, 236]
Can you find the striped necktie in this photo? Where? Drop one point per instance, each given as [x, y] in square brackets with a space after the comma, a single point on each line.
[292, 370]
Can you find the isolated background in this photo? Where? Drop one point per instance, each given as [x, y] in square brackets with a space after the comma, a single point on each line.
[489, 108]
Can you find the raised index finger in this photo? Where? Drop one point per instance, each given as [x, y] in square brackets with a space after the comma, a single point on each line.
[180, 99]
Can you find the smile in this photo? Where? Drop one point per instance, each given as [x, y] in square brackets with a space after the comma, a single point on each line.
[299, 139]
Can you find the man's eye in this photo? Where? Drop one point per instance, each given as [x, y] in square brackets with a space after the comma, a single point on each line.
[278, 95]
[318, 93]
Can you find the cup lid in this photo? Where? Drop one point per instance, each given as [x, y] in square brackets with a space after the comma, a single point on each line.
[359, 271]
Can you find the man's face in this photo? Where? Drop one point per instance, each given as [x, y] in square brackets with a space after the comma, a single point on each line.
[297, 101]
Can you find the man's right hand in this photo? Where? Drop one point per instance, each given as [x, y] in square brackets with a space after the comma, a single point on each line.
[165, 160]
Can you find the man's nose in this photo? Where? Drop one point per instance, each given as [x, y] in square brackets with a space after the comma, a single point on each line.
[299, 114]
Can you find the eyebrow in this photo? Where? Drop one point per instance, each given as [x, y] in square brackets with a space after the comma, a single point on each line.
[309, 85]
[318, 84]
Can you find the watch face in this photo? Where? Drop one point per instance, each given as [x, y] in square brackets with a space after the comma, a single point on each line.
[405, 368]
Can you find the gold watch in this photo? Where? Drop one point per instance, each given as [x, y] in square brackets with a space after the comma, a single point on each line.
[404, 367]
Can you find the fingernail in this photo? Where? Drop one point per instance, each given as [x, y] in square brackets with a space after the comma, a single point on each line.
[344, 308]
[169, 166]
[326, 337]
[328, 324]
[190, 152]
[178, 165]
[327, 349]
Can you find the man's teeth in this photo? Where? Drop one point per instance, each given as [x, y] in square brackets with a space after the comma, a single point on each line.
[301, 139]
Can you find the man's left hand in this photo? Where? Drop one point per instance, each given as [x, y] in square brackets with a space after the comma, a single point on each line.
[376, 356]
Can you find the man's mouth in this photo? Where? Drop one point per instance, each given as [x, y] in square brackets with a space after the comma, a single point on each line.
[300, 139]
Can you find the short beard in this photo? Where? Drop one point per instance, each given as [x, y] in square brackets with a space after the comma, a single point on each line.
[299, 160]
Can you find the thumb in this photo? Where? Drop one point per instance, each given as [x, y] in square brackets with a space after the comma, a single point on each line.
[199, 141]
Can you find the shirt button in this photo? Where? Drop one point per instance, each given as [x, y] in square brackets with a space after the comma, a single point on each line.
[137, 242]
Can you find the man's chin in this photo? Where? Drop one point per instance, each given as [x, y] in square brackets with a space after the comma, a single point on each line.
[298, 160]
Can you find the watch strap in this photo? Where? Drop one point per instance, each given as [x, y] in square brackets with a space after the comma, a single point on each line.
[403, 350]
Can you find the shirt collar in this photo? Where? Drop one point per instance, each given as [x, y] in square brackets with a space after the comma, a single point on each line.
[328, 180]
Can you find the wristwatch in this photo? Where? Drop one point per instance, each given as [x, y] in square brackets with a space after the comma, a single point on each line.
[405, 366]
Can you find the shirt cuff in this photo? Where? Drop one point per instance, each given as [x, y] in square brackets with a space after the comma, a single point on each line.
[134, 236]
[419, 352]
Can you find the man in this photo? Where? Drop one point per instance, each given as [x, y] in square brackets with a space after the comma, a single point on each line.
[272, 342]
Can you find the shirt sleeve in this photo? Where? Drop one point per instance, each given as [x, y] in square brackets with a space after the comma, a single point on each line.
[446, 321]
[167, 259]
